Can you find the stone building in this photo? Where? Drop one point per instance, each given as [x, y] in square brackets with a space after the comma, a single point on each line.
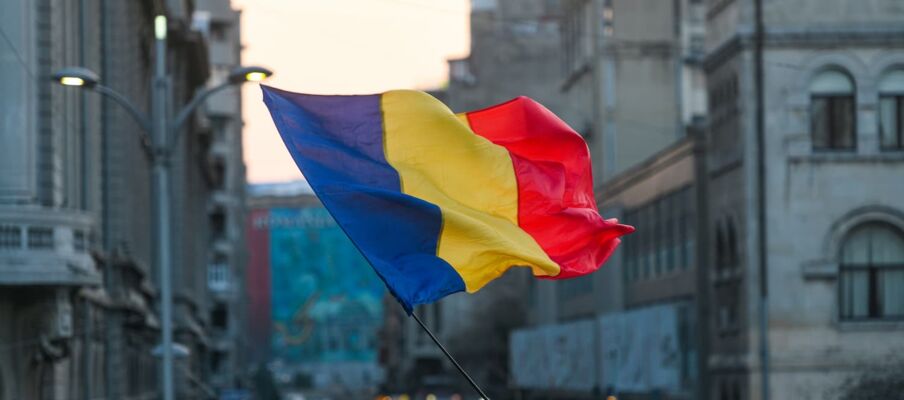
[634, 67]
[631, 328]
[805, 172]
[78, 290]
[798, 234]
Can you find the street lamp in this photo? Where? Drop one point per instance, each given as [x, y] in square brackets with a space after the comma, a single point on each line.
[76, 76]
[249, 74]
[160, 135]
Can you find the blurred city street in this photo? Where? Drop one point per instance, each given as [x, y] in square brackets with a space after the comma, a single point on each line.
[158, 241]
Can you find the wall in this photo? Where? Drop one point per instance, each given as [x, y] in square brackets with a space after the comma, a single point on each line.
[813, 198]
[803, 240]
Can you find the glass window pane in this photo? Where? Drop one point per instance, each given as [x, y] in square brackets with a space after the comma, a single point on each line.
[892, 82]
[690, 229]
[832, 82]
[720, 247]
[647, 243]
[819, 121]
[731, 245]
[876, 250]
[842, 127]
[873, 244]
[669, 247]
[658, 259]
[888, 121]
[898, 142]
[887, 246]
[856, 248]
[855, 293]
[892, 293]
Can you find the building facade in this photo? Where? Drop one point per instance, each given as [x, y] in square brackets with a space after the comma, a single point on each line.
[227, 253]
[635, 67]
[316, 303]
[78, 290]
[805, 169]
[640, 311]
[515, 51]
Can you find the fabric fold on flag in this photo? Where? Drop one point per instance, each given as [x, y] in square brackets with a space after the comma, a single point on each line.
[440, 203]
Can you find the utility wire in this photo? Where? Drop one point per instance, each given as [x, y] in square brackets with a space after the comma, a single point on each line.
[15, 52]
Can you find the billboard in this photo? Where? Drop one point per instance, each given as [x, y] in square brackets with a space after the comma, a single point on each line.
[638, 350]
[555, 356]
[322, 300]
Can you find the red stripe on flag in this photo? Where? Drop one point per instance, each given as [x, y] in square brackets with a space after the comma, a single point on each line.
[556, 205]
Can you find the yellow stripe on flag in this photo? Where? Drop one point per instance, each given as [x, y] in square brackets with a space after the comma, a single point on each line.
[470, 179]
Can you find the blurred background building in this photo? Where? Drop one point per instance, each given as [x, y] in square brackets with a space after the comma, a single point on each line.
[756, 146]
[227, 253]
[315, 305]
[78, 297]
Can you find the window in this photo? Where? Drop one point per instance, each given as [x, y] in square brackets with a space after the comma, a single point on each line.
[688, 228]
[571, 288]
[731, 242]
[659, 215]
[726, 245]
[891, 110]
[40, 238]
[665, 236]
[630, 249]
[872, 273]
[832, 111]
[219, 318]
[10, 237]
[218, 276]
[721, 250]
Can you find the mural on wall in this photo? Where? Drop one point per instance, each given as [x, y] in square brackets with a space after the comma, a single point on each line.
[325, 300]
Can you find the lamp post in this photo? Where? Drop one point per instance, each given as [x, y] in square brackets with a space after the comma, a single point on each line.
[160, 137]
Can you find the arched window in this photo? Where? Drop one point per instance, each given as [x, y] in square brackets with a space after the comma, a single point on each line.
[872, 273]
[891, 110]
[832, 111]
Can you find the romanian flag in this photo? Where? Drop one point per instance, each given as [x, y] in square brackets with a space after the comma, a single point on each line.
[440, 202]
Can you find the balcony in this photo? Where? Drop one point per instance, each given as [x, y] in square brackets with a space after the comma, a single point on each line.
[45, 247]
[222, 200]
[219, 278]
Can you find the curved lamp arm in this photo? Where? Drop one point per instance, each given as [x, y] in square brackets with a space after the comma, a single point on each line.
[125, 103]
[133, 111]
[176, 125]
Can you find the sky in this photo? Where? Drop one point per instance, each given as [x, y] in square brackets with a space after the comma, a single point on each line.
[340, 47]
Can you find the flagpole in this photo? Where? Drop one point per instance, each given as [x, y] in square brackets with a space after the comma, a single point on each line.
[449, 356]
